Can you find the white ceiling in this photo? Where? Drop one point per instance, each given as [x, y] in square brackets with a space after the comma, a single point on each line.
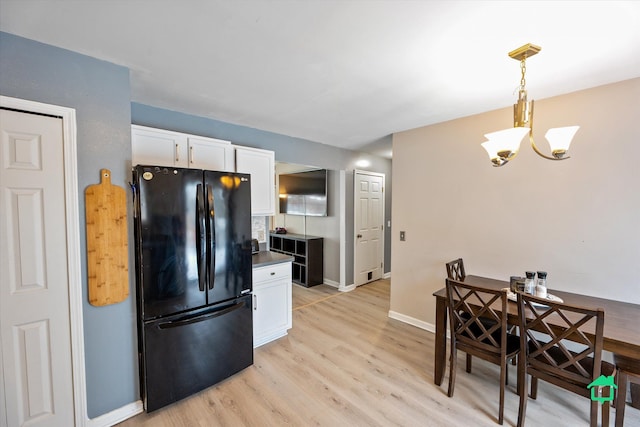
[345, 73]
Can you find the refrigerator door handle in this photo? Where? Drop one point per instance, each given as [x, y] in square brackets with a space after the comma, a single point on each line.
[211, 236]
[187, 320]
[200, 238]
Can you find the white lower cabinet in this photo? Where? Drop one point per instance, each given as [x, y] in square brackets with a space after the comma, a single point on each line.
[271, 302]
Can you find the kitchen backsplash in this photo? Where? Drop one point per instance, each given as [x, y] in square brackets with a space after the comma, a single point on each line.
[259, 228]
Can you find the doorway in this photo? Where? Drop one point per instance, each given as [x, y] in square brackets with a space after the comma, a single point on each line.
[369, 226]
[42, 359]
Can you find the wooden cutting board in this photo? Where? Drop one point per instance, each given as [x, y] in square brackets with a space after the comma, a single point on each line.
[107, 243]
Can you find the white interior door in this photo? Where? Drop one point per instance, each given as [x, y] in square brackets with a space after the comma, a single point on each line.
[34, 284]
[369, 226]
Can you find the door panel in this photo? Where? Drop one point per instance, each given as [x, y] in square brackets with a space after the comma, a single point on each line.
[34, 294]
[26, 235]
[369, 228]
[166, 240]
[211, 154]
[158, 147]
[260, 165]
[231, 235]
[184, 355]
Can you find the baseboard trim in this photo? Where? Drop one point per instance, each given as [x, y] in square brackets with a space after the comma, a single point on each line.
[347, 288]
[412, 321]
[117, 416]
[337, 285]
[331, 283]
[387, 275]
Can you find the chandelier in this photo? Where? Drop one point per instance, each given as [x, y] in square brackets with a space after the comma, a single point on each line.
[503, 145]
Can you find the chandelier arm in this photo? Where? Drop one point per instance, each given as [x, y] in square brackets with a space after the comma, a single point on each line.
[538, 152]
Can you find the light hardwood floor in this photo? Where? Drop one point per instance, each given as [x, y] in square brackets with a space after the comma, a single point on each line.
[346, 363]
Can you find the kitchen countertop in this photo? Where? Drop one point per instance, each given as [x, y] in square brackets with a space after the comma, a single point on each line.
[264, 258]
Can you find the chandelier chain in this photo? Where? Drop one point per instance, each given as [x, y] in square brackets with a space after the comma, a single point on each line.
[523, 69]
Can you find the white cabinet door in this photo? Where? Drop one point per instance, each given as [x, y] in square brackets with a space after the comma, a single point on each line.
[152, 146]
[271, 302]
[261, 165]
[160, 147]
[211, 154]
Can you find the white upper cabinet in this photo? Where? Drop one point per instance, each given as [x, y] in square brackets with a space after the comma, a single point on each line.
[151, 146]
[211, 154]
[261, 165]
[160, 147]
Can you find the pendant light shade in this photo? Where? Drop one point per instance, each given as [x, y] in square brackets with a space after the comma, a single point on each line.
[560, 139]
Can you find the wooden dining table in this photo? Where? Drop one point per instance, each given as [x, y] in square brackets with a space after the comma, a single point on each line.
[621, 324]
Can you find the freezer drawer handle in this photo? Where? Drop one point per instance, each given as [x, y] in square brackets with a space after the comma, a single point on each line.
[200, 317]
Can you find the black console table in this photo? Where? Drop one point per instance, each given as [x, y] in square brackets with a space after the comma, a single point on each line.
[307, 266]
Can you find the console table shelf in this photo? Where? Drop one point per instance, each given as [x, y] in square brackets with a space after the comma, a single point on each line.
[307, 266]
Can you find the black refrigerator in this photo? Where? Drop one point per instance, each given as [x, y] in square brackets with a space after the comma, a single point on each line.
[193, 279]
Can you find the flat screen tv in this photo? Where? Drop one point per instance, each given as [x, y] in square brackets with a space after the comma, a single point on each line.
[303, 193]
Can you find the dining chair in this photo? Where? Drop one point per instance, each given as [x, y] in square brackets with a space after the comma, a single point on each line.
[628, 371]
[562, 344]
[469, 308]
[455, 269]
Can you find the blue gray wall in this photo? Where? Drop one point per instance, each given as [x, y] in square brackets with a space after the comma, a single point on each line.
[100, 93]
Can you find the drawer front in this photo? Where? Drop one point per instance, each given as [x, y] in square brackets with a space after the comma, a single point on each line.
[272, 272]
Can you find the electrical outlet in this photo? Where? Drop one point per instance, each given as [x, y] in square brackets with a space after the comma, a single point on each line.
[402, 236]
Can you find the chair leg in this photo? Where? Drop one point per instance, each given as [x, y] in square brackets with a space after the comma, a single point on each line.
[522, 391]
[468, 363]
[503, 377]
[506, 374]
[452, 369]
[534, 388]
[594, 414]
[605, 413]
[621, 398]
[516, 359]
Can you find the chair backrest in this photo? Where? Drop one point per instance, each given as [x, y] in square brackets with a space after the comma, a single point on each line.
[564, 342]
[455, 269]
[478, 317]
